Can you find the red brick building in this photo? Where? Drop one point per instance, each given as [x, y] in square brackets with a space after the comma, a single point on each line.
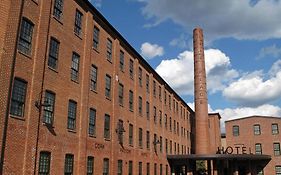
[76, 98]
[258, 135]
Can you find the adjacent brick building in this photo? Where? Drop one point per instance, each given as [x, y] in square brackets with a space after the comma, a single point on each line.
[259, 135]
[76, 98]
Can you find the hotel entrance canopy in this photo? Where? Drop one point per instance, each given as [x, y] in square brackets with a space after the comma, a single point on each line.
[219, 164]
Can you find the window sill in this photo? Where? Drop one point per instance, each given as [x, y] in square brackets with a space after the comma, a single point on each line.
[55, 70]
[79, 36]
[121, 105]
[35, 2]
[96, 49]
[108, 98]
[110, 61]
[24, 54]
[92, 136]
[48, 125]
[131, 110]
[71, 130]
[107, 139]
[17, 117]
[75, 81]
[94, 91]
[58, 20]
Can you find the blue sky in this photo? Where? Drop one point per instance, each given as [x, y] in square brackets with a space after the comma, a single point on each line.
[242, 48]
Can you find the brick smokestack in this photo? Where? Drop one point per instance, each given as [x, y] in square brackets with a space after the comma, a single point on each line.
[202, 141]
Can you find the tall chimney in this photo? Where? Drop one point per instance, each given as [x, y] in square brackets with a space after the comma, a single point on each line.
[202, 141]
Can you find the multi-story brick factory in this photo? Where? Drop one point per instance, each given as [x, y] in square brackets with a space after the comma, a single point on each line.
[77, 98]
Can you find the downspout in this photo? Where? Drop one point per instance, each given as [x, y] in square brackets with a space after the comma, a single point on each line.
[10, 92]
[42, 90]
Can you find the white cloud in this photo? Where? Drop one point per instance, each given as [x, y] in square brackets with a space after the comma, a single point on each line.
[179, 74]
[254, 89]
[96, 3]
[273, 51]
[181, 42]
[150, 51]
[234, 113]
[240, 19]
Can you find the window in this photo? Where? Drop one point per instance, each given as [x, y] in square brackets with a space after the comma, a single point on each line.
[167, 170]
[58, 8]
[140, 76]
[165, 97]
[140, 168]
[90, 165]
[120, 94]
[276, 148]
[161, 144]
[131, 100]
[121, 64]
[160, 118]
[109, 50]
[257, 129]
[258, 148]
[274, 128]
[235, 130]
[106, 126]
[71, 120]
[108, 86]
[92, 122]
[96, 37]
[147, 83]
[147, 110]
[166, 121]
[53, 53]
[49, 105]
[278, 170]
[78, 23]
[169, 101]
[105, 166]
[147, 140]
[154, 115]
[131, 69]
[140, 106]
[25, 40]
[171, 146]
[44, 163]
[166, 146]
[154, 88]
[140, 137]
[155, 169]
[170, 119]
[131, 135]
[119, 167]
[94, 78]
[68, 165]
[160, 93]
[130, 167]
[75, 67]
[147, 169]
[18, 97]
[175, 127]
[161, 167]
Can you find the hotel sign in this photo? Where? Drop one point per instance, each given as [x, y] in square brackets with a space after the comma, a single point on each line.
[234, 150]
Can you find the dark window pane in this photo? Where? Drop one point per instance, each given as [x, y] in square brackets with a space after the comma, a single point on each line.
[75, 67]
[96, 38]
[53, 53]
[90, 165]
[94, 78]
[18, 98]
[49, 104]
[78, 23]
[44, 163]
[71, 122]
[68, 165]
[25, 39]
[107, 126]
[58, 8]
[92, 122]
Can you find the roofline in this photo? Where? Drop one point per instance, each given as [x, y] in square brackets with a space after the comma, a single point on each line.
[133, 50]
[215, 113]
[253, 116]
